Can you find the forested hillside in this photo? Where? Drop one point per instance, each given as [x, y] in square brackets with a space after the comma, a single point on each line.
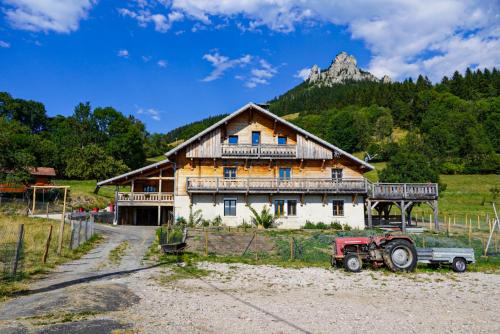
[453, 126]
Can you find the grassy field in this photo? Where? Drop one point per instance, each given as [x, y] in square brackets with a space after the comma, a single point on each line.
[35, 236]
[82, 193]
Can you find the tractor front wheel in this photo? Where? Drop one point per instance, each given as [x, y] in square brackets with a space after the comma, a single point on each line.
[400, 255]
[352, 263]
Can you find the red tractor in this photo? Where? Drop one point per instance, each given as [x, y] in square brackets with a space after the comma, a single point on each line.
[397, 252]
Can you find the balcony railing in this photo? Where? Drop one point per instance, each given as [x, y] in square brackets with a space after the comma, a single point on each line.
[276, 185]
[404, 191]
[259, 151]
[145, 197]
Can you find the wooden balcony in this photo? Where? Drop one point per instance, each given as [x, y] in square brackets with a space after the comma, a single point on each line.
[275, 185]
[407, 191]
[144, 198]
[259, 151]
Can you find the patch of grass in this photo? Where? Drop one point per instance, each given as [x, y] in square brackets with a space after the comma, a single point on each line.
[35, 235]
[188, 271]
[116, 254]
[81, 193]
[54, 318]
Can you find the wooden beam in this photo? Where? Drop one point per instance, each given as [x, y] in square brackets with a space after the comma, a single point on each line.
[270, 163]
[403, 218]
[302, 199]
[34, 199]
[270, 198]
[323, 165]
[214, 198]
[154, 178]
[354, 199]
[215, 163]
[246, 199]
[274, 127]
[301, 166]
[369, 213]
[324, 199]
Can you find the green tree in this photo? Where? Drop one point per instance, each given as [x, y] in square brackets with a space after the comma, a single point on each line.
[92, 162]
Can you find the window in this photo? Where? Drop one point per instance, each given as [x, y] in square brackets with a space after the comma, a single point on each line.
[255, 137]
[233, 140]
[338, 208]
[285, 173]
[281, 140]
[229, 207]
[229, 172]
[291, 207]
[336, 173]
[149, 189]
[279, 207]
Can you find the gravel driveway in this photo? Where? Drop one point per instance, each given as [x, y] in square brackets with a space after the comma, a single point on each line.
[238, 298]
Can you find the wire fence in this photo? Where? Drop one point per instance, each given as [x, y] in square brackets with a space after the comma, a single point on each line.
[29, 245]
[310, 246]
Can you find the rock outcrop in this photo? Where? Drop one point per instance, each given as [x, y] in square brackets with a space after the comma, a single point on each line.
[342, 69]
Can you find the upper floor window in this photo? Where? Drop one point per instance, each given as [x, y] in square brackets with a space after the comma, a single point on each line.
[282, 140]
[255, 137]
[149, 189]
[337, 173]
[338, 208]
[233, 140]
[285, 173]
[229, 172]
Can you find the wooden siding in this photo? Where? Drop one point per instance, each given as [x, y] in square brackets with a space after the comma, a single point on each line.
[308, 149]
[209, 146]
[259, 168]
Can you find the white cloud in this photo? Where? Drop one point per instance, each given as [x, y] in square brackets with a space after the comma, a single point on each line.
[151, 112]
[144, 15]
[4, 44]
[146, 59]
[123, 53]
[162, 63]
[405, 37]
[221, 64]
[261, 75]
[303, 73]
[47, 15]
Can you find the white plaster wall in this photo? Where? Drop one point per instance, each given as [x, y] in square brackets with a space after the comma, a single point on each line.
[312, 209]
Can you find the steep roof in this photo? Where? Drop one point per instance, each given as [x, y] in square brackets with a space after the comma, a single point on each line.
[42, 171]
[279, 119]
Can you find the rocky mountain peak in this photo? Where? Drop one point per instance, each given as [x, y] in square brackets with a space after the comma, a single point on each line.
[342, 69]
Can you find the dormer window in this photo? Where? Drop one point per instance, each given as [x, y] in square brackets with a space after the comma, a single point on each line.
[233, 140]
[282, 140]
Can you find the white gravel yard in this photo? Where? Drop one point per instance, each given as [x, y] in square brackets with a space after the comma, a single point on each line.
[237, 298]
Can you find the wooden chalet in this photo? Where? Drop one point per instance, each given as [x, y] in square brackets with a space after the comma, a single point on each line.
[255, 158]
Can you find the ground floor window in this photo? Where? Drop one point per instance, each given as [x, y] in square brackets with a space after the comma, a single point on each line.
[279, 207]
[229, 207]
[338, 208]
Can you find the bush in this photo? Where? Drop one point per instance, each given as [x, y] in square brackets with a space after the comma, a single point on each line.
[217, 221]
[346, 227]
[181, 221]
[264, 219]
[321, 226]
[309, 226]
[336, 226]
[244, 224]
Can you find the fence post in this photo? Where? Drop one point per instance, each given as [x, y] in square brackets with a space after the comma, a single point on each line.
[86, 230]
[79, 222]
[47, 210]
[292, 249]
[448, 226]
[47, 245]
[19, 246]
[470, 234]
[72, 235]
[61, 229]
[206, 242]
[92, 220]
[430, 222]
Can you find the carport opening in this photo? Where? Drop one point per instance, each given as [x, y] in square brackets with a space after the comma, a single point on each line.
[144, 216]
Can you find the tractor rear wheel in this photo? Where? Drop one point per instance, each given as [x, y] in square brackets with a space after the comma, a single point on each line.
[400, 255]
[353, 263]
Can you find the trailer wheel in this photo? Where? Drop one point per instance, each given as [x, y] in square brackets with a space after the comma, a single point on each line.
[400, 255]
[352, 263]
[459, 265]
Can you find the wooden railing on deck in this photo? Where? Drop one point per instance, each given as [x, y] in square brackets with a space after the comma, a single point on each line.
[145, 197]
[259, 151]
[404, 190]
[266, 185]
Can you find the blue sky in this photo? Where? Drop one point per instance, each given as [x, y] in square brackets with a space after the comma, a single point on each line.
[169, 62]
